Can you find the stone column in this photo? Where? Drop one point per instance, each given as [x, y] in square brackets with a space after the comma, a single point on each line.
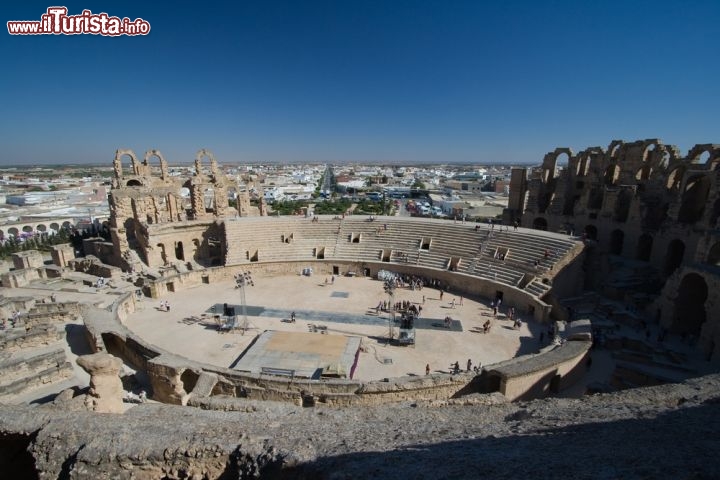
[106, 391]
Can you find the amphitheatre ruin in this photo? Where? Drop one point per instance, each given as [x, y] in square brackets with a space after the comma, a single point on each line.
[216, 341]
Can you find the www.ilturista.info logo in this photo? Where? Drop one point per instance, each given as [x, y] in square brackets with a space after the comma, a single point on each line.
[57, 22]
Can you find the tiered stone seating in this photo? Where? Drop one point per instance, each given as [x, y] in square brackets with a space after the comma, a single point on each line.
[32, 353]
[402, 237]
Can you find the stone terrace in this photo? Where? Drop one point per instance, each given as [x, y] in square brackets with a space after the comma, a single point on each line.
[427, 243]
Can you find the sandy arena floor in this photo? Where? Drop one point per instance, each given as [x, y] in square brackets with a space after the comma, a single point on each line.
[271, 300]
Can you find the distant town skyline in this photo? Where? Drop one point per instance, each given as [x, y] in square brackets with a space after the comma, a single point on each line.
[371, 82]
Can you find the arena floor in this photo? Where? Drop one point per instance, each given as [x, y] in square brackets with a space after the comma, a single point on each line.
[345, 307]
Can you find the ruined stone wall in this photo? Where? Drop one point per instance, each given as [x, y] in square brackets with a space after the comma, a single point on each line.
[144, 197]
[21, 278]
[642, 201]
[539, 375]
[571, 438]
[639, 188]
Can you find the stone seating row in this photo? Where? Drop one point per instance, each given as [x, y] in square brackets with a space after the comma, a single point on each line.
[401, 237]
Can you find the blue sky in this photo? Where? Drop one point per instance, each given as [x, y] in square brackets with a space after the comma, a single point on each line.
[366, 81]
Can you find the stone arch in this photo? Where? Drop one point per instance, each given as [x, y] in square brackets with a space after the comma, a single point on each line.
[134, 183]
[550, 163]
[644, 172]
[28, 229]
[42, 228]
[540, 224]
[179, 251]
[549, 176]
[694, 199]
[713, 256]
[13, 231]
[67, 224]
[703, 154]
[612, 174]
[54, 226]
[203, 153]
[689, 313]
[675, 178]
[644, 247]
[614, 148]
[117, 163]
[617, 237]
[583, 165]
[163, 164]
[591, 232]
[649, 151]
[674, 255]
[622, 205]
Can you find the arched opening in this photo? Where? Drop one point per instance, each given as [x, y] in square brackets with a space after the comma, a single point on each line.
[674, 256]
[644, 247]
[179, 251]
[28, 229]
[549, 180]
[583, 165]
[713, 256]
[622, 205]
[690, 314]
[562, 161]
[209, 199]
[41, 228]
[591, 232]
[612, 174]
[570, 202]
[694, 199]
[540, 224]
[13, 231]
[163, 254]
[133, 183]
[189, 380]
[617, 237]
[643, 173]
[703, 158]
[595, 198]
[674, 179]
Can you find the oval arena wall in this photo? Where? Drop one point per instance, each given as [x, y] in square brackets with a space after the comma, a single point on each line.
[287, 245]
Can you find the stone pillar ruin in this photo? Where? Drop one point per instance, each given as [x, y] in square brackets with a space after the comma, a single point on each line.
[106, 390]
[29, 259]
[62, 254]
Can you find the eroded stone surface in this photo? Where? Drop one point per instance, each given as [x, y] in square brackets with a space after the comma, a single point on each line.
[106, 390]
[657, 432]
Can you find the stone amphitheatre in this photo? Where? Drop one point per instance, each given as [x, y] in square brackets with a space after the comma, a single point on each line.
[268, 347]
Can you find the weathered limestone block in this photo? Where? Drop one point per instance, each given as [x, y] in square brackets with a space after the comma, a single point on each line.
[29, 259]
[106, 390]
[62, 254]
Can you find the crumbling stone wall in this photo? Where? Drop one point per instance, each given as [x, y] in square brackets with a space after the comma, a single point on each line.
[644, 201]
[143, 198]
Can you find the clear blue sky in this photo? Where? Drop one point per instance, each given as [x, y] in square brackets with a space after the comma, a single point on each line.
[374, 81]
